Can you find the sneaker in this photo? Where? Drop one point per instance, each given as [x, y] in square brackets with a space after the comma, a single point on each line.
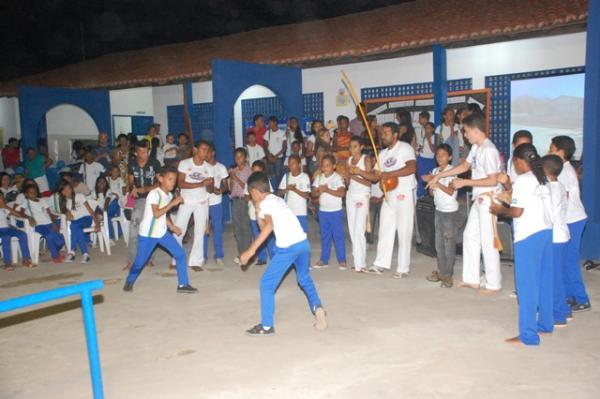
[86, 258]
[219, 262]
[259, 331]
[374, 270]
[343, 266]
[261, 263]
[236, 260]
[581, 307]
[560, 324]
[70, 258]
[571, 302]
[569, 317]
[186, 289]
[400, 275]
[320, 265]
[321, 318]
[128, 287]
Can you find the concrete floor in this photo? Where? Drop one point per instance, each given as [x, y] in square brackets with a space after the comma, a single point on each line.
[387, 338]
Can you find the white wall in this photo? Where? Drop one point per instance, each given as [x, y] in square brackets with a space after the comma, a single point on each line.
[9, 118]
[256, 91]
[66, 123]
[133, 102]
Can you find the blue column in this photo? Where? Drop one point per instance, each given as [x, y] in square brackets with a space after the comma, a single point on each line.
[591, 135]
[440, 82]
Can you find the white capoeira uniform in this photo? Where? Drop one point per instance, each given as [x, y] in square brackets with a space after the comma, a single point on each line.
[195, 202]
[478, 237]
[357, 211]
[397, 212]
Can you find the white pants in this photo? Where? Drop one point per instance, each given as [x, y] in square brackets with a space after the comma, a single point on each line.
[397, 214]
[478, 238]
[357, 210]
[200, 212]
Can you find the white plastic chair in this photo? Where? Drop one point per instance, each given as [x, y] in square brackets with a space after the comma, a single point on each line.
[100, 237]
[124, 223]
[33, 240]
[15, 250]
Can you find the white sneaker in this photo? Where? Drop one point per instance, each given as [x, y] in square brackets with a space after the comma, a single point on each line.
[219, 262]
[86, 258]
[320, 266]
[70, 258]
[236, 260]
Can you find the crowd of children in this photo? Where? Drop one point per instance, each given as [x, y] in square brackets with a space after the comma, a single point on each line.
[325, 173]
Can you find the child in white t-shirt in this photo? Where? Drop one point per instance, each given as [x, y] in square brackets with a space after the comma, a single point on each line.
[103, 200]
[296, 149]
[293, 248]
[7, 232]
[329, 187]
[40, 217]
[269, 247]
[155, 230]
[530, 209]
[576, 218]
[446, 209]
[117, 186]
[170, 150]
[255, 151]
[295, 190]
[90, 169]
[553, 165]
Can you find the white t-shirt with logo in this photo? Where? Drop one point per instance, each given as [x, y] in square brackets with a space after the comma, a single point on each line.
[286, 227]
[275, 140]
[91, 172]
[575, 209]
[356, 189]
[195, 174]
[485, 161]
[80, 210]
[396, 158]
[4, 214]
[220, 173]
[558, 197]
[444, 202]
[328, 202]
[150, 226]
[296, 203]
[255, 153]
[37, 210]
[534, 198]
[251, 209]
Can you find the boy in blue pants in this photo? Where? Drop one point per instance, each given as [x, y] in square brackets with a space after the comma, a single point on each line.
[154, 230]
[293, 248]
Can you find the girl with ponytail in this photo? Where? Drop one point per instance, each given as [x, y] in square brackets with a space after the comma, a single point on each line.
[530, 208]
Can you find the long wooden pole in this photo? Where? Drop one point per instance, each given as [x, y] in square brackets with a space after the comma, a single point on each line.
[363, 115]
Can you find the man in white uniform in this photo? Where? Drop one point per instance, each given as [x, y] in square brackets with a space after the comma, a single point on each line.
[478, 238]
[195, 179]
[215, 202]
[397, 211]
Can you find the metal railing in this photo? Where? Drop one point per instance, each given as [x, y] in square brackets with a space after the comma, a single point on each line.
[87, 306]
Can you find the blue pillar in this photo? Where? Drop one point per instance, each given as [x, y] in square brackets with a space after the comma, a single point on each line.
[440, 82]
[591, 135]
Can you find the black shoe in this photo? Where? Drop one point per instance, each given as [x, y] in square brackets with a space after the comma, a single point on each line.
[128, 287]
[259, 331]
[570, 316]
[261, 263]
[571, 302]
[186, 289]
[580, 307]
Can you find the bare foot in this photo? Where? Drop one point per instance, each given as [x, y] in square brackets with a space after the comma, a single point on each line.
[462, 284]
[544, 333]
[487, 292]
[9, 267]
[197, 268]
[321, 319]
[514, 341]
[127, 266]
[27, 263]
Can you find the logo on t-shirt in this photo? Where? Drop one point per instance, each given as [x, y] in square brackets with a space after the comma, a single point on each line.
[390, 162]
[198, 176]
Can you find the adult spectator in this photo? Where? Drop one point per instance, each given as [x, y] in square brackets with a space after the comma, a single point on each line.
[35, 168]
[11, 154]
[103, 151]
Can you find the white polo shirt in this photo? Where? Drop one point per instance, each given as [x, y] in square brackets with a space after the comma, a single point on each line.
[575, 209]
[220, 173]
[150, 226]
[485, 161]
[286, 226]
[444, 202]
[328, 202]
[296, 203]
[558, 197]
[395, 158]
[534, 198]
[275, 140]
[195, 174]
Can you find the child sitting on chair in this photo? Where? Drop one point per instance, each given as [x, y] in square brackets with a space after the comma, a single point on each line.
[7, 232]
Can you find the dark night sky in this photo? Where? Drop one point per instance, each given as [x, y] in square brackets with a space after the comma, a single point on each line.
[44, 34]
